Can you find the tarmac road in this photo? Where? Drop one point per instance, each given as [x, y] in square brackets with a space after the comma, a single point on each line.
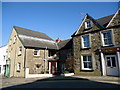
[56, 82]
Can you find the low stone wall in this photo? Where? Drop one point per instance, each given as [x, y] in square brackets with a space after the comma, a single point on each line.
[39, 75]
[68, 74]
[27, 75]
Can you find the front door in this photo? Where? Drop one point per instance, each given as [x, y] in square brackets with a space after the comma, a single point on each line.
[53, 67]
[111, 65]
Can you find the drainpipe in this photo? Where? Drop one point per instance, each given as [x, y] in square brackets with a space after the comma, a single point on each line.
[118, 57]
[25, 63]
[45, 60]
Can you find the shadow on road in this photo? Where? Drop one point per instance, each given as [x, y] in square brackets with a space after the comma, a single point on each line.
[65, 82]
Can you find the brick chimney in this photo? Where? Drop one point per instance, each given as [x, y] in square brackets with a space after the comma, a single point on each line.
[57, 40]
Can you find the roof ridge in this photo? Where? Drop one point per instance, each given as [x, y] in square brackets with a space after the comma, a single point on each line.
[104, 17]
[28, 29]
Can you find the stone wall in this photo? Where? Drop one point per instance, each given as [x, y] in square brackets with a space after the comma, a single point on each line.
[13, 50]
[32, 61]
[66, 58]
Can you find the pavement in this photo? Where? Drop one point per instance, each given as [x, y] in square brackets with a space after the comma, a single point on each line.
[74, 81]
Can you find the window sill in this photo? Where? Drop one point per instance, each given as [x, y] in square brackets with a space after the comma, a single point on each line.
[85, 48]
[18, 71]
[36, 55]
[87, 28]
[19, 54]
[108, 45]
[84, 69]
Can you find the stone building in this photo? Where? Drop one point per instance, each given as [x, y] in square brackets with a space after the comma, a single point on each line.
[29, 50]
[96, 46]
[36, 53]
[66, 60]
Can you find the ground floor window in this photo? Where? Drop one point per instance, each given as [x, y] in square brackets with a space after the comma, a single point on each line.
[86, 62]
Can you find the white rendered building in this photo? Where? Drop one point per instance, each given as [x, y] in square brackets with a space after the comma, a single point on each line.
[3, 58]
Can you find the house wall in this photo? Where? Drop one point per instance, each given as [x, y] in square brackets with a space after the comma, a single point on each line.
[78, 52]
[32, 61]
[3, 58]
[66, 58]
[95, 43]
[13, 50]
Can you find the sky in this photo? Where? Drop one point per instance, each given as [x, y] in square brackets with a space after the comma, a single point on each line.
[56, 19]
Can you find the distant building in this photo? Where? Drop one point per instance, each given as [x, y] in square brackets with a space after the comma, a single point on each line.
[3, 58]
[96, 46]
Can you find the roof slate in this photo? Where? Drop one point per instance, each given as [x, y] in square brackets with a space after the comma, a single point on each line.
[27, 32]
[35, 39]
[104, 20]
[65, 44]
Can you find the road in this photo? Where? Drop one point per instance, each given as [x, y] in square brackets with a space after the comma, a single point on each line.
[64, 82]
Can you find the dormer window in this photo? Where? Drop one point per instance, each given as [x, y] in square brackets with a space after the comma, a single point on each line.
[88, 24]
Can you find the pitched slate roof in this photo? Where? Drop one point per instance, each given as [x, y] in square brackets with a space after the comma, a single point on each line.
[35, 39]
[104, 20]
[101, 21]
[27, 32]
[65, 44]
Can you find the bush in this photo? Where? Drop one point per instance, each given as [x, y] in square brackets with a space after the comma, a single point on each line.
[42, 72]
[47, 71]
[65, 72]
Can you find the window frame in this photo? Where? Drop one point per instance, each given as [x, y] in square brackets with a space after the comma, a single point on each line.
[38, 52]
[18, 67]
[87, 24]
[103, 40]
[83, 68]
[20, 51]
[15, 38]
[82, 41]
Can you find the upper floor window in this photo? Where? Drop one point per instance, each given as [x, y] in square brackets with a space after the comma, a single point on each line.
[107, 38]
[18, 67]
[36, 52]
[15, 38]
[88, 24]
[85, 41]
[20, 50]
[86, 62]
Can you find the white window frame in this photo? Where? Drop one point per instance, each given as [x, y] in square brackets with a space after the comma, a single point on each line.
[20, 50]
[15, 38]
[102, 38]
[83, 68]
[86, 24]
[82, 41]
[38, 52]
[18, 67]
